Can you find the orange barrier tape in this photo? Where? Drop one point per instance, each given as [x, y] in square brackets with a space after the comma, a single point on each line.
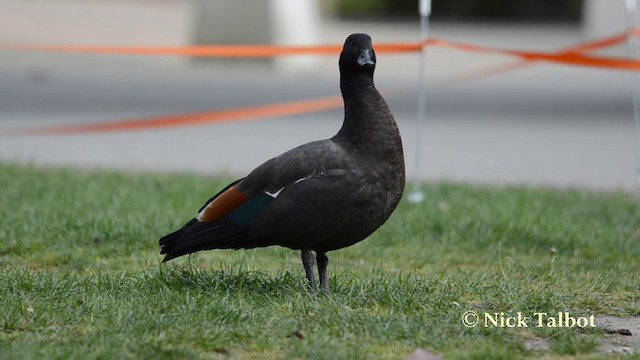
[519, 64]
[233, 51]
[263, 111]
[572, 57]
[600, 43]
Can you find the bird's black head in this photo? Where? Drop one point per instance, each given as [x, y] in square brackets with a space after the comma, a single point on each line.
[357, 55]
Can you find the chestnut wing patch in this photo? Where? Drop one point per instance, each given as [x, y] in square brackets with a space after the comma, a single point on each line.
[222, 205]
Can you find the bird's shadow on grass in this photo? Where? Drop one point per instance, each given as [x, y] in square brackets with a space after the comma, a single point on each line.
[285, 284]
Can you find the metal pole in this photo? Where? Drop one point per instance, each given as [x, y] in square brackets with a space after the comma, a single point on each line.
[416, 195]
[632, 42]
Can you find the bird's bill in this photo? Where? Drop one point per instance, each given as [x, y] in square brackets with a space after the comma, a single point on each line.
[365, 58]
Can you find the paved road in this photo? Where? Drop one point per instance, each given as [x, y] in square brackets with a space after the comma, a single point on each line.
[545, 125]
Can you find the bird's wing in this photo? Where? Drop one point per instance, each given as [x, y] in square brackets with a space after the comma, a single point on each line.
[247, 196]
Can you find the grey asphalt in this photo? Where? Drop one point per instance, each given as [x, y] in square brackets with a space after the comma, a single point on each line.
[546, 125]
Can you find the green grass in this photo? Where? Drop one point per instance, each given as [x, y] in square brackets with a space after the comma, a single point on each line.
[80, 274]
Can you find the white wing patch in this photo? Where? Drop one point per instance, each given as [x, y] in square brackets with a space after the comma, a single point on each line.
[276, 193]
[303, 179]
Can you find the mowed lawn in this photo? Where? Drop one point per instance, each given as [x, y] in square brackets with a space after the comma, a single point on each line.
[81, 277]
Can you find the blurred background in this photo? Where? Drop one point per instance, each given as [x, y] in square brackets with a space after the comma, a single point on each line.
[490, 118]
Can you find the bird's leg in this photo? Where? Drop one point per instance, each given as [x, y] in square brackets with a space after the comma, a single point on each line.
[308, 261]
[323, 261]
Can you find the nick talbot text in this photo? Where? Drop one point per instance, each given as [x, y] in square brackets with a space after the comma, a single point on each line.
[538, 319]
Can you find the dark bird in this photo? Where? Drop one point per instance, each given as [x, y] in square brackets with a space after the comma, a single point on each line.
[321, 196]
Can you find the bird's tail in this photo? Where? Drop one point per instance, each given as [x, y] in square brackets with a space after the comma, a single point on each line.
[197, 236]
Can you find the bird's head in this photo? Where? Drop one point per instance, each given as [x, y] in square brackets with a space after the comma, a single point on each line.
[357, 55]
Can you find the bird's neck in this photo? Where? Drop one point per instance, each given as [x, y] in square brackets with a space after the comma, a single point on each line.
[352, 83]
[368, 122]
